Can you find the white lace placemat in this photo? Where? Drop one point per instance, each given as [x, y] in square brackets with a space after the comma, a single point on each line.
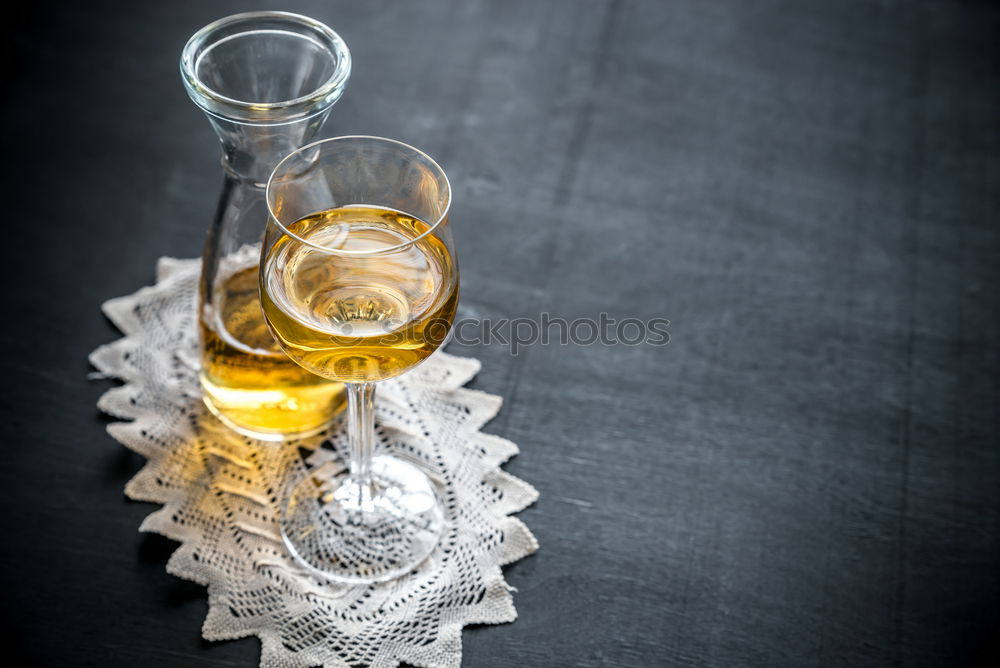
[220, 493]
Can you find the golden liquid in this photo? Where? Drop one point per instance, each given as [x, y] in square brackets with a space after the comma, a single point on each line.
[353, 318]
[246, 380]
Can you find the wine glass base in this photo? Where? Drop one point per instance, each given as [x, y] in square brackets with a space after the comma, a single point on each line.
[357, 534]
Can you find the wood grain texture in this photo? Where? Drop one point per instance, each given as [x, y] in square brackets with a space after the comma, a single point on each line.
[808, 475]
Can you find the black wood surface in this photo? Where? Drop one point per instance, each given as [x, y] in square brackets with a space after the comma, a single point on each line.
[808, 475]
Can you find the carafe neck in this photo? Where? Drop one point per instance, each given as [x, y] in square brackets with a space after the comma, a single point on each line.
[251, 150]
[267, 81]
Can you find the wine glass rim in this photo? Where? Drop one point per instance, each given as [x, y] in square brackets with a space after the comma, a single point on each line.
[327, 91]
[360, 253]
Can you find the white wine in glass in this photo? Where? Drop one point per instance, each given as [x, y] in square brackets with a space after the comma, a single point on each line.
[360, 319]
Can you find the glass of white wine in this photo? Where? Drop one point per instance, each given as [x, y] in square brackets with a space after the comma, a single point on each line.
[359, 283]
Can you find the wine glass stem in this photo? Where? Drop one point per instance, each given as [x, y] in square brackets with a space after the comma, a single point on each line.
[361, 433]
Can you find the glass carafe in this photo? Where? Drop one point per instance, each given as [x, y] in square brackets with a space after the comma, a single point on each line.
[267, 82]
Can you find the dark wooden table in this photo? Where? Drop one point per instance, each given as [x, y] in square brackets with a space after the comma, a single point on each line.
[809, 474]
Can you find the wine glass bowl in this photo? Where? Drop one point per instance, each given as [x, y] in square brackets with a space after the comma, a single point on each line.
[359, 284]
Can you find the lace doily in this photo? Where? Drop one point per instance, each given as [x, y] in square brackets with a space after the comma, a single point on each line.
[220, 494]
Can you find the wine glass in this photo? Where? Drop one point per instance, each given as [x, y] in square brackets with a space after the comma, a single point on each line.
[359, 284]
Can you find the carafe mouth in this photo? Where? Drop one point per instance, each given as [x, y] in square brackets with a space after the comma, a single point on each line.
[265, 67]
